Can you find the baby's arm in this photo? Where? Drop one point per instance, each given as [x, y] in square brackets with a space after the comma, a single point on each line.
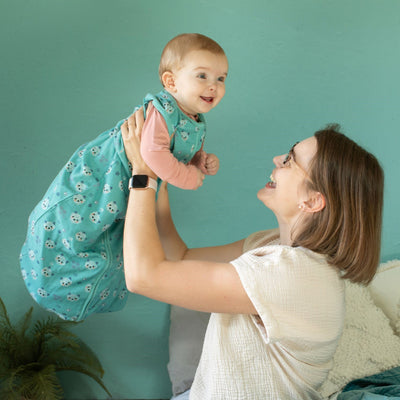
[155, 150]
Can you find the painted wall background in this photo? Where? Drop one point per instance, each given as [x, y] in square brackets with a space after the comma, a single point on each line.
[71, 69]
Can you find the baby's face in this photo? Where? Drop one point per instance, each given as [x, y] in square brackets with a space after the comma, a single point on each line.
[199, 84]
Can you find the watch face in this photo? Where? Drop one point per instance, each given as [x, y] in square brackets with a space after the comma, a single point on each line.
[139, 181]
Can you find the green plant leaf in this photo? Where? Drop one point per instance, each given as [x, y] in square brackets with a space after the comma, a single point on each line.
[41, 384]
[4, 319]
[24, 323]
[30, 357]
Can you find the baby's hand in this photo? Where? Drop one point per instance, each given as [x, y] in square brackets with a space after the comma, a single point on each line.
[212, 164]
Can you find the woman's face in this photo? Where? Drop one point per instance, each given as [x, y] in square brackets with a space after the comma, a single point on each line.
[286, 190]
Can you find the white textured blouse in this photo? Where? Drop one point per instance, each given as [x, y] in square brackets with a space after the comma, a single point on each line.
[286, 351]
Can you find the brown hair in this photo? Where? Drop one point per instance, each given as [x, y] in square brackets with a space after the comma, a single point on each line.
[348, 229]
[177, 48]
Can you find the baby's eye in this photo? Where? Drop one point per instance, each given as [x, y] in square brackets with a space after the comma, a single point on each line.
[221, 79]
[201, 76]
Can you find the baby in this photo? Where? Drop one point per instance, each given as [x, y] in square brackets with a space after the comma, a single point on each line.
[72, 261]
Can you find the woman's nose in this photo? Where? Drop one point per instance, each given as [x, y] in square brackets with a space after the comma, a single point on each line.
[278, 160]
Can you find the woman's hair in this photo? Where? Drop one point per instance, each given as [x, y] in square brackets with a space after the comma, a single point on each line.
[348, 229]
[177, 48]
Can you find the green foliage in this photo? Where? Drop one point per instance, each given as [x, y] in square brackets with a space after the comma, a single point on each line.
[31, 356]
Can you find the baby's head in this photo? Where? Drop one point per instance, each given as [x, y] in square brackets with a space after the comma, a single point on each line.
[193, 69]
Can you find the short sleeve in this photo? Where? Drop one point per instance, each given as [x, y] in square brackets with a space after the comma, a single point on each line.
[297, 295]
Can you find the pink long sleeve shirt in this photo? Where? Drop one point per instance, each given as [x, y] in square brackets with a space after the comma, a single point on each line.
[155, 150]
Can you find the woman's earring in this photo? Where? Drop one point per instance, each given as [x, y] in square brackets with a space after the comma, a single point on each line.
[301, 206]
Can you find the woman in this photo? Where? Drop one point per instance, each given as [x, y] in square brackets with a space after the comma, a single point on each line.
[277, 297]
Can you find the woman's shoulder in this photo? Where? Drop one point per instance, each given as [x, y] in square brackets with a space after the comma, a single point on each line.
[262, 250]
[261, 239]
[268, 242]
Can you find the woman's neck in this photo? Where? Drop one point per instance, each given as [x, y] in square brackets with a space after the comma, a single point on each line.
[285, 234]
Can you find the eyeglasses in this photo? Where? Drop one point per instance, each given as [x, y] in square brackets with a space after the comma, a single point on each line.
[290, 158]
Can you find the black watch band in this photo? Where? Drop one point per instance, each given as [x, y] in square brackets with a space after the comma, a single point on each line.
[142, 182]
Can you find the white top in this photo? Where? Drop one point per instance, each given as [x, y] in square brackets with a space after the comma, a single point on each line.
[286, 351]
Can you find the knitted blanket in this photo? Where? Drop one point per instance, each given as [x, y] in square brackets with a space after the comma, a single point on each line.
[368, 344]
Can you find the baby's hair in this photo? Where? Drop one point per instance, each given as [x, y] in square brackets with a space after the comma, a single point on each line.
[177, 48]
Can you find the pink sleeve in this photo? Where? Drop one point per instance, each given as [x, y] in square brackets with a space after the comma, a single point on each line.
[157, 155]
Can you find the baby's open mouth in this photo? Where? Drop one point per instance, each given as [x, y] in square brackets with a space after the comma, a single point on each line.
[207, 99]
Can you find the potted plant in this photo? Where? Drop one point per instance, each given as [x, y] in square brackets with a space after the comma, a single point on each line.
[32, 354]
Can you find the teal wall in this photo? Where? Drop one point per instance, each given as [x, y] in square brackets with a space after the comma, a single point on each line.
[71, 69]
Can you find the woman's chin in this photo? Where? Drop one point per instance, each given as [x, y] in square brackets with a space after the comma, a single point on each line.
[263, 195]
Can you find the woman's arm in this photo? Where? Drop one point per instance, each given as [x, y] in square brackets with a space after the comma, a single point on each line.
[174, 247]
[194, 284]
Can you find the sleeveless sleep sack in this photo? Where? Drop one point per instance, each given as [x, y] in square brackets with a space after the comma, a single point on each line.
[72, 259]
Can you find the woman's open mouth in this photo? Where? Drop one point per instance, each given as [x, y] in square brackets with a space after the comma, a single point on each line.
[271, 184]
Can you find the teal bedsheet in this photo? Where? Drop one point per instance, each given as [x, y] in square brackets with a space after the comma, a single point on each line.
[385, 385]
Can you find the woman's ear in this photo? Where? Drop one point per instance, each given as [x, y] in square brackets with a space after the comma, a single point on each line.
[315, 203]
[168, 80]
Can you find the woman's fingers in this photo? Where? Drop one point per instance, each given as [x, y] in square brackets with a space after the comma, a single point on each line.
[131, 125]
[125, 130]
[131, 141]
[131, 131]
[139, 121]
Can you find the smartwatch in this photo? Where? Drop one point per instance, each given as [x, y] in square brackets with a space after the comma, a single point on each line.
[142, 182]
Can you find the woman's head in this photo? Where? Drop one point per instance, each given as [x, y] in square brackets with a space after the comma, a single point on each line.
[348, 228]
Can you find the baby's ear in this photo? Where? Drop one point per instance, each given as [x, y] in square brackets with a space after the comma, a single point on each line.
[168, 80]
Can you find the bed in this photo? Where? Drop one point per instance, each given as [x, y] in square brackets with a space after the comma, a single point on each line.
[366, 364]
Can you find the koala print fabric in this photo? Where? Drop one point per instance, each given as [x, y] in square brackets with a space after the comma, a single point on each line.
[72, 260]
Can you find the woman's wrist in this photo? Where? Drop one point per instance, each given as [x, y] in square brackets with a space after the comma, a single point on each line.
[143, 170]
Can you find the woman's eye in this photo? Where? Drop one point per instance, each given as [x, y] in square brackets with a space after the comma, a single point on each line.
[201, 76]
[286, 161]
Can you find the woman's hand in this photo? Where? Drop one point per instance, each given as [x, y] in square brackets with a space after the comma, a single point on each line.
[131, 131]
